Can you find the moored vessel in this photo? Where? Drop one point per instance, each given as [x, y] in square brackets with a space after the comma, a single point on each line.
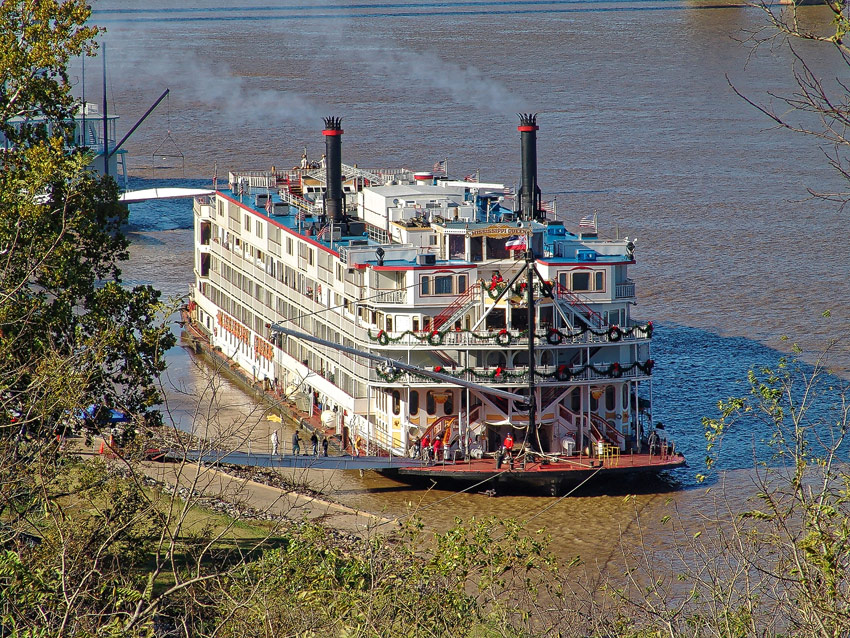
[407, 308]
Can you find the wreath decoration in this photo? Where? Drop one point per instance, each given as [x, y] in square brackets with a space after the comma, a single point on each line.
[554, 337]
[383, 338]
[614, 333]
[435, 338]
[504, 338]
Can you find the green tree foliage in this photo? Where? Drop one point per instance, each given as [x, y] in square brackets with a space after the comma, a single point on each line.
[70, 333]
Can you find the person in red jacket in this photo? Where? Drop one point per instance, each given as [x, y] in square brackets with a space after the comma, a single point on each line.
[508, 444]
[438, 444]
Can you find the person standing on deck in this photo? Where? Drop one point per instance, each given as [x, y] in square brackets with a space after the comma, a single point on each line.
[296, 443]
[438, 444]
[508, 444]
[275, 443]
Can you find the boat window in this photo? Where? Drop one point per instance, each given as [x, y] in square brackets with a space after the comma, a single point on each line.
[443, 285]
[625, 397]
[426, 285]
[461, 284]
[289, 245]
[610, 398]
[414, 402]
[600, 281]
[416, 324]
[396, 402]
[247, 224]
[259, 230]
[594, 401]
[449, 405]
[581, 281]
[430, 403]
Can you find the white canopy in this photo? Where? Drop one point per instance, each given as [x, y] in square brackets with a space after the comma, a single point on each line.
[162, 193]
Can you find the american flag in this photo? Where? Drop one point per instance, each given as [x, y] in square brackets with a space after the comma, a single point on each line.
[588, 221]
[471, 178]
[326, 231]
[548, 207]
[516, 242]
[440, 167]
[269, 205]
[241, 187]
[300, 216]
[215, 176]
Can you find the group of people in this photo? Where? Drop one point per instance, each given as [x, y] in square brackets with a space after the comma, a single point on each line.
[296, 444]
[431, 450]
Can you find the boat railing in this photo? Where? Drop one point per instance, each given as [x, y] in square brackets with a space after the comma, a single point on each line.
[545, 375]
[624, 290]
[389, 296]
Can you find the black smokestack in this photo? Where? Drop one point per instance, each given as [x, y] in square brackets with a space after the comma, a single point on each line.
[333, 164]
[529, 194]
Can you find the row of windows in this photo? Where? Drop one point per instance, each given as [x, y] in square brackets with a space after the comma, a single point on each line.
[432, 399]
[442, 284]
[582, 280]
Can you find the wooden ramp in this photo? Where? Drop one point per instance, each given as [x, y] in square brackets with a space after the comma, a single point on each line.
[301, 461]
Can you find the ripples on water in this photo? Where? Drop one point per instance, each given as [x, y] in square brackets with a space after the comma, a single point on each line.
[638, 123]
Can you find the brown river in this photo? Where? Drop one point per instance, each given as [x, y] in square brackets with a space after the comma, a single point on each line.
[638, 123]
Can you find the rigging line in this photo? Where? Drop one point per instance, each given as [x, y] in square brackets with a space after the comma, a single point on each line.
[445, 498]
[337, 307]
[570, 493]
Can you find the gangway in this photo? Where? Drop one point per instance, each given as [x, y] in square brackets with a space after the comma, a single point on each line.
[300, 461]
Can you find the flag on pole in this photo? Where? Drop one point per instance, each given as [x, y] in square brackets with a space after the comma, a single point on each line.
[588, 221]
[440, 167]
[470, 178]
[269, 205]
[241, 187]
[215, 176]
[548, 207]
[300, 216]
[516, 242]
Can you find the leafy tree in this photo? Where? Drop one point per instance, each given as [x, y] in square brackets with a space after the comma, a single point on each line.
[70, 333]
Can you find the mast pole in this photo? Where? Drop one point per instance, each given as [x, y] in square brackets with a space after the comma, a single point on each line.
[105, 120]
[532, 399]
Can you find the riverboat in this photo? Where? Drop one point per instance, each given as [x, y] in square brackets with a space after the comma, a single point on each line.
[405, 307]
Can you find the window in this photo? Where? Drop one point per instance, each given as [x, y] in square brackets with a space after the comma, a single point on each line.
[396, 402]
[289, 245]
[247, 223]
[449, 405]
[581, 281]
[610, 398]
[414, 402]
[430, 403]
[426, 286]
[461, 284]
[443, 285]
[600, 280]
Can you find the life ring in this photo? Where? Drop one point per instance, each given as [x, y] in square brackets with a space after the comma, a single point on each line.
[504, 338]
[614, 333]
[554, 337]
[435, 338]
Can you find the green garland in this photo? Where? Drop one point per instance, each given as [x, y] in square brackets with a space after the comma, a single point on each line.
[561, 373]
[554, 336]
